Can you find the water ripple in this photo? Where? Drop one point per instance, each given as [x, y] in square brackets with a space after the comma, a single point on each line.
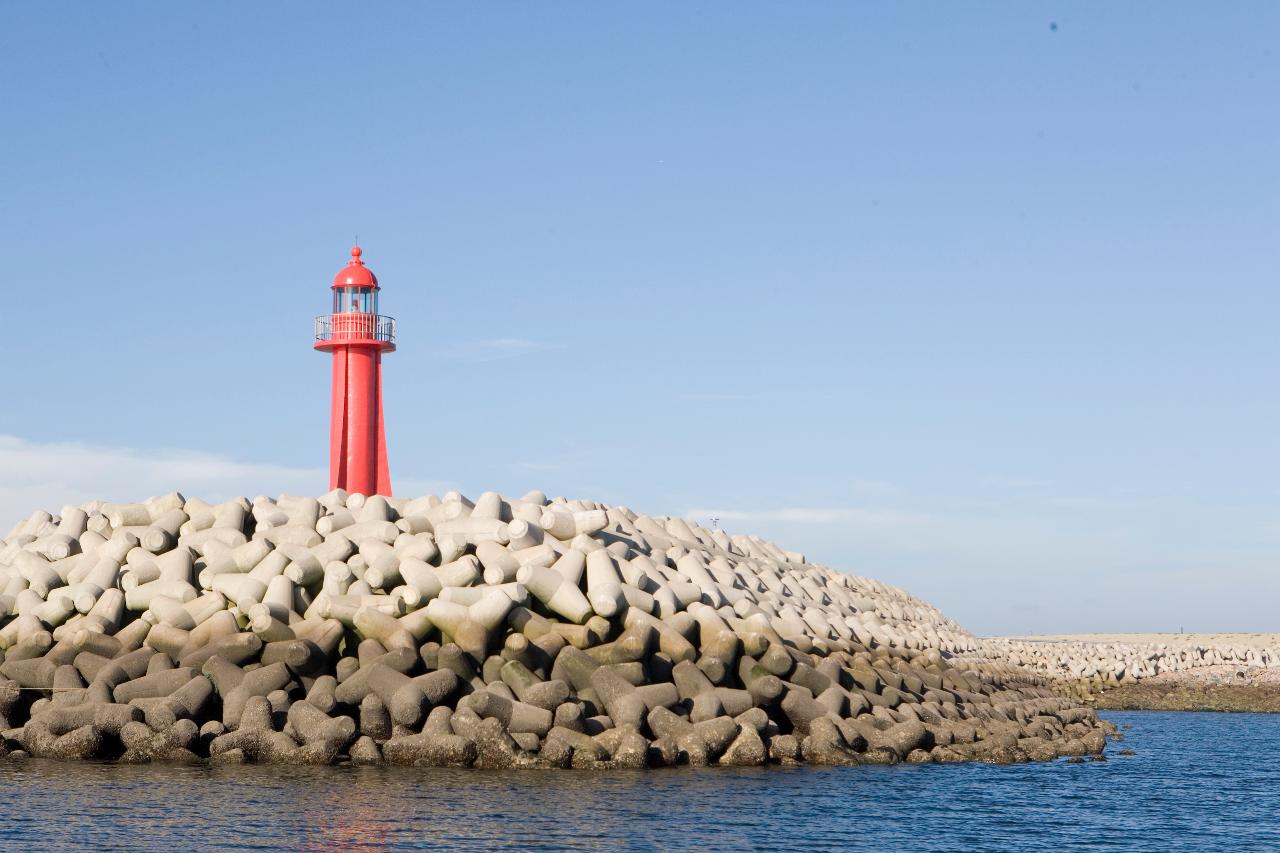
[1199, 782]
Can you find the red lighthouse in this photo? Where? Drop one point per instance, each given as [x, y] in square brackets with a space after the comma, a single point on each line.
[357, 335]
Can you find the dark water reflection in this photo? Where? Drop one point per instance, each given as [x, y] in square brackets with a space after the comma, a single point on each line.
[1198, 782]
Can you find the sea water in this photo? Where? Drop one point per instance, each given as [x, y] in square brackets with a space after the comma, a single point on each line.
[1197, 782]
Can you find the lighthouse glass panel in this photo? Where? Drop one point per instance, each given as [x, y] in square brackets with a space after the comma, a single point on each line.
[355, 300]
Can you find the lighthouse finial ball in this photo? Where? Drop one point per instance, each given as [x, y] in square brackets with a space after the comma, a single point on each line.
[355, 273]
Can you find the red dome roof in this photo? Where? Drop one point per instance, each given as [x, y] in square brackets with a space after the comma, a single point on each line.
[355, 274]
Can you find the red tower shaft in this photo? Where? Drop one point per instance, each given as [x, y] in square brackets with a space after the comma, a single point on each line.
[357, 335]
[357, 441]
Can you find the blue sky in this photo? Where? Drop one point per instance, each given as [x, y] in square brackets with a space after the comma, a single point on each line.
[979, 299]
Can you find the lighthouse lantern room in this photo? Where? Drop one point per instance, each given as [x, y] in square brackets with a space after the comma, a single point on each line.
[357, 335]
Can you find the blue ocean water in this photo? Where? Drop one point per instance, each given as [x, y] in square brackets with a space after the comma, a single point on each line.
[1198, 782]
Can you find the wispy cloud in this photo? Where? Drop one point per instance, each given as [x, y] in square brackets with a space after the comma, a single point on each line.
[413, 486]
[721, 397]
[538, 467]
[816, 515]
[49, 475]
[496, 349]
[875, 487]
[1015, 482]
[1106, 503]
[713, 395]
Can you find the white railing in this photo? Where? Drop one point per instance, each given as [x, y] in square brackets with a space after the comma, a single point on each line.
[340, 327]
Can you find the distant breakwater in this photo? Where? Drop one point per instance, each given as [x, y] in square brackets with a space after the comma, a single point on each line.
[1163, 672]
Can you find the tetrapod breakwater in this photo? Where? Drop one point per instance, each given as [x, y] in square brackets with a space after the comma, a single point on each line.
[495, 632]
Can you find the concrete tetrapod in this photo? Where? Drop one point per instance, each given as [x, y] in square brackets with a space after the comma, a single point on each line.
[500, 632]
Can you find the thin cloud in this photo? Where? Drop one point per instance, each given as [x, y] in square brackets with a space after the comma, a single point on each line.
[817, 515]
[1015, 482]
[721, 397]
[497, 349]
[414, 487]
[1107, 504]
[538, 467]
[49, 475]
[876, 487]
